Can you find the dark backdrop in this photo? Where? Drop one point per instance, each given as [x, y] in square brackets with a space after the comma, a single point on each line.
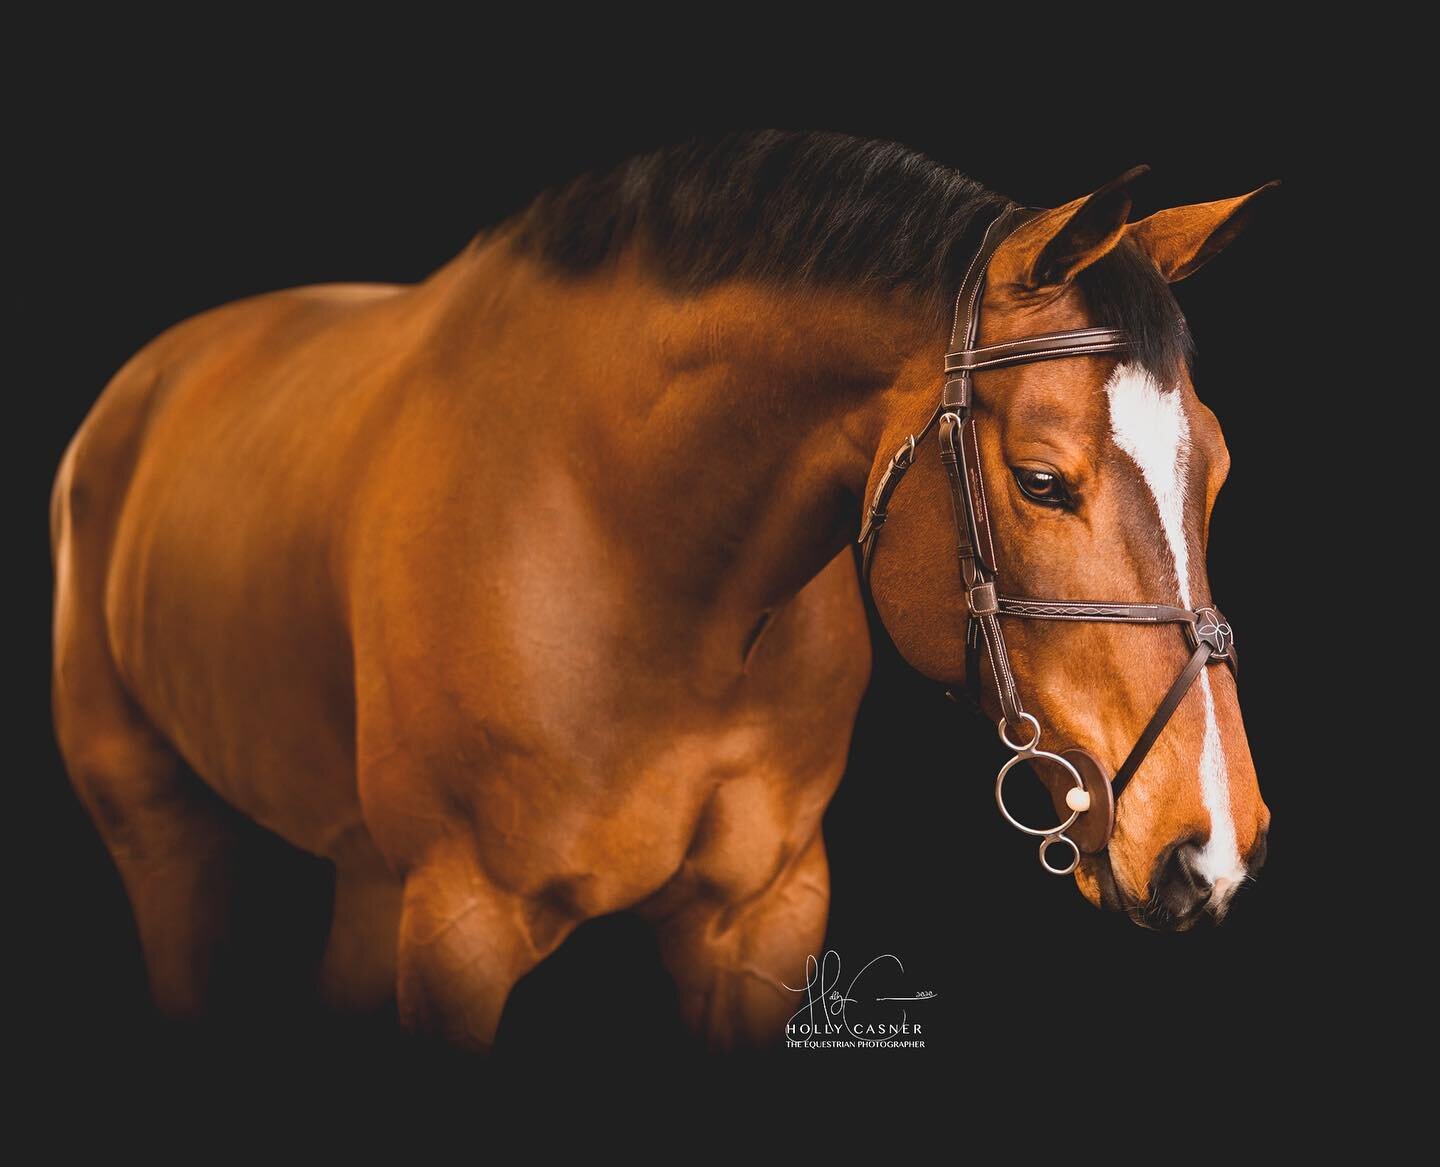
[165, 195]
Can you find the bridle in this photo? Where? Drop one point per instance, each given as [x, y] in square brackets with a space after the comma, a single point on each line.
[1076, 779]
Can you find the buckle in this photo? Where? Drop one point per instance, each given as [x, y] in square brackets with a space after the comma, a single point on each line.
[904, 455]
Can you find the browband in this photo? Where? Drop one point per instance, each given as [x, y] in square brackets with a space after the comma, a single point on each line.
[1074, 343]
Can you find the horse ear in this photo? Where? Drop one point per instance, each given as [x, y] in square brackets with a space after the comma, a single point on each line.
[1055, 246]
[1182, 239]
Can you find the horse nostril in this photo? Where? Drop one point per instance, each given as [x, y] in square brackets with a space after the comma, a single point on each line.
[1180, 891]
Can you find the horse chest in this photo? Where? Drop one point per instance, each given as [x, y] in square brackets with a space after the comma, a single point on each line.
[616, 781]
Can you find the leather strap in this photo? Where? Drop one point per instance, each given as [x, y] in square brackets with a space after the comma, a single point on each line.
[982, 532]
[1074, 343]
[976, 574]
[1094, 610]
[957, 389]
[960, 506]
[1161, 717]
[879, 505]
[1010, 707]
[967, 302]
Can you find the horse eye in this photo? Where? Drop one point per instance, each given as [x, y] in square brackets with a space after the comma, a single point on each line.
[1042, 486]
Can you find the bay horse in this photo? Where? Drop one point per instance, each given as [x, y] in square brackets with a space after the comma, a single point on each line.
[526, 594]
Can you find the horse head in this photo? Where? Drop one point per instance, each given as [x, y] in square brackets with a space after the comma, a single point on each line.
[1090, 478]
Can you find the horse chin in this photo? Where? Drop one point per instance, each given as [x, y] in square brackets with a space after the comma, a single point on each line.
[1096, 880]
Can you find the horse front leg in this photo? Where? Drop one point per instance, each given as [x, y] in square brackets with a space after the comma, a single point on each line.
[738, 959]
[463, 945]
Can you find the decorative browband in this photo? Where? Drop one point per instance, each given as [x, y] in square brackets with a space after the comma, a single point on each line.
[1092, 610]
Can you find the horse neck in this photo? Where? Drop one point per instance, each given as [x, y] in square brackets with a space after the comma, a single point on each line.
[724, 438]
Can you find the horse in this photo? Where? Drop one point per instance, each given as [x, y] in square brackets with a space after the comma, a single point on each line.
[527, 593]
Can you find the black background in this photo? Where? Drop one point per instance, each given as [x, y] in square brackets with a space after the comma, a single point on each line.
[167, 189]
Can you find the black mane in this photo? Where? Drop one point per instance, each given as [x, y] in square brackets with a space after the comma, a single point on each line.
[819, 208]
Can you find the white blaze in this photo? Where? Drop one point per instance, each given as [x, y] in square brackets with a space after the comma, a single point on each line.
[1149, 424]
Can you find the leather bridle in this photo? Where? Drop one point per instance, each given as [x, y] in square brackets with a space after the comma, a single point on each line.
[1077, 780]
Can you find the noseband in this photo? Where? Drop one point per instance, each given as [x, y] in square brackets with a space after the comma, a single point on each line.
[1077, 780]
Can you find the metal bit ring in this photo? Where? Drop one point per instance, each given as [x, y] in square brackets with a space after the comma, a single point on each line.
[1050, 841]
